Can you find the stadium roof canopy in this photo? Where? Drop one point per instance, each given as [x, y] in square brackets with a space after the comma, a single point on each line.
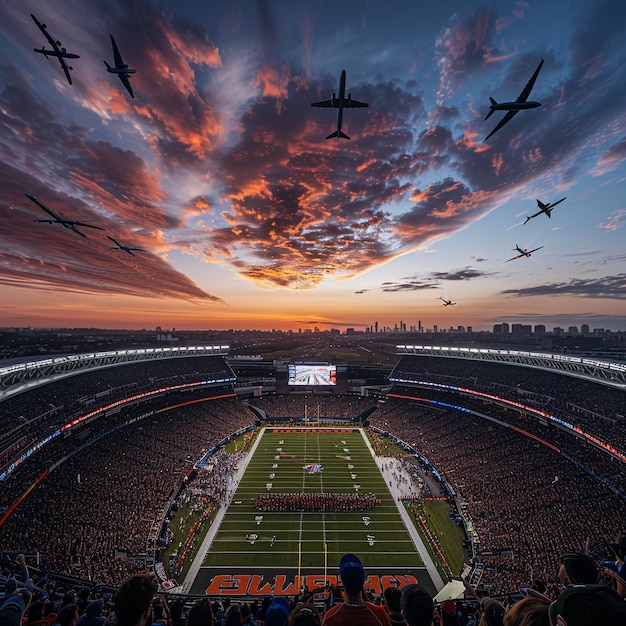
[41, 370]
[600, 371]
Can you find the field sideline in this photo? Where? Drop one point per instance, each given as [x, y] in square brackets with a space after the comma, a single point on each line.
[289, 548]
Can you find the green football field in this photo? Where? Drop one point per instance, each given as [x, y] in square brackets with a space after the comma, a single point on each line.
[311, 541]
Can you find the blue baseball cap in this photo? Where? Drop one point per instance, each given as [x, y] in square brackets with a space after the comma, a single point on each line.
[352, 573]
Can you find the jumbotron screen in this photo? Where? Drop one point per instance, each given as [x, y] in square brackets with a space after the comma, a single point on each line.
[312, 374]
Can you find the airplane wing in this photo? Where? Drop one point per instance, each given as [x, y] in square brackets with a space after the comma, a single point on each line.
[47, 209]
[326, 104]
[354, 104]
[42, 28]
[66, 69]
[74, 229]
[117, 57]
[531, 251]
[82, 223]
[126, 83]
[334, 104]
[529, 85]
[505, 120]
[114, 241]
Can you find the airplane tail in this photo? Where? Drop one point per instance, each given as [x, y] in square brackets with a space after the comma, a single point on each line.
[42, 51]
[338, 134]
[108, 66]
[491, 110]
[527, 218]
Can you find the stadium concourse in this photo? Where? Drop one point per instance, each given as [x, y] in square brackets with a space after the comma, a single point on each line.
[92, 461]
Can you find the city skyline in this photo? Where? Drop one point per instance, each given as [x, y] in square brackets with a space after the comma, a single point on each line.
[247, 217]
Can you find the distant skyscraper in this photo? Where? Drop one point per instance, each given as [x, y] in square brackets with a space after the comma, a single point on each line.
[584, 329]
[435, 328]
[376, 327]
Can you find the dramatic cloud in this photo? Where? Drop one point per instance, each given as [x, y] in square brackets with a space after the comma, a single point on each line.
[607, 287]
[221, 157]
[611, 159]
[431, 281]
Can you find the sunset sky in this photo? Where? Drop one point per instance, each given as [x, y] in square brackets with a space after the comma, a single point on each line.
[219, 168]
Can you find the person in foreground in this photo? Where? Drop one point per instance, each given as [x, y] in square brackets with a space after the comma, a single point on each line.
[418, 608]
[354, 609]
[133, 600]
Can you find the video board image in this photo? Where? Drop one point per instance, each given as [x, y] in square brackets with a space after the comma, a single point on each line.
[313, 374]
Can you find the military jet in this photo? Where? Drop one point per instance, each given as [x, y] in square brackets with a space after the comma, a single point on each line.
[121, 69]
[522, 252]
[513, 108]
[340, 103]
[57, 218]
[60, 53]
[544, 208]
[119, 246]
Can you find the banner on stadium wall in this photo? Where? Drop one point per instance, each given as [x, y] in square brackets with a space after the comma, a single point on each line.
[256, 585]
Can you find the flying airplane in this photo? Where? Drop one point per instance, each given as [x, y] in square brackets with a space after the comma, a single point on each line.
[544, 208]
[522, 252]
[60, 53]
[447, 302]
[340, 103]
[119, 246]
[121, 69]
[513, 108]
[57, 218]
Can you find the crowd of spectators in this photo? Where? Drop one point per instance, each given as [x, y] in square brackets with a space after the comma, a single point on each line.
[578, 599]
[204, 491]
[92, 515]
[312, 406]
[606, 467]
[328, 502]
[28, 417]
[526, 500]
[597, 408]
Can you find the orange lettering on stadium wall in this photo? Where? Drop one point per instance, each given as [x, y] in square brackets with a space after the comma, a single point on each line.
[252, 584]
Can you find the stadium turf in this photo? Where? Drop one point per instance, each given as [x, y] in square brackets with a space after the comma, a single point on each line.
[311, 541]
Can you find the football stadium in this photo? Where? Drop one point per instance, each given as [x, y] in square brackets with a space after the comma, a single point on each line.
[478, 468]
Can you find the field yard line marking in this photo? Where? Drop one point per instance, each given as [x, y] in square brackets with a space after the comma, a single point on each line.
[208, 539]
[319, 459]
[434, 574]
[301, 514]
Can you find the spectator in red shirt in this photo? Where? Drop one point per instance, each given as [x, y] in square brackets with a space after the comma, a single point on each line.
[354, 610]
